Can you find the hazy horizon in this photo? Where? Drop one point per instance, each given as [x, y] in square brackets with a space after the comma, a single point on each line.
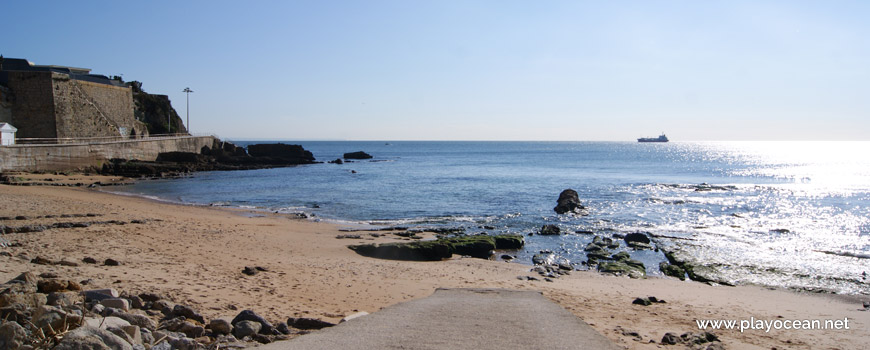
[476, 70]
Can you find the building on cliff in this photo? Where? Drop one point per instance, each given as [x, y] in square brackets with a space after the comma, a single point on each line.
[65, 103]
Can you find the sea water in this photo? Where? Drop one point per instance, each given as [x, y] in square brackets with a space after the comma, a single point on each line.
[781, 214]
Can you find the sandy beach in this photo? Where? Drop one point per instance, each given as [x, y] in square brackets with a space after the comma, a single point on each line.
[195, 255]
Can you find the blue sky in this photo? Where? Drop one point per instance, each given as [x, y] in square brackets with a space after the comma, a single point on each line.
[476, 70]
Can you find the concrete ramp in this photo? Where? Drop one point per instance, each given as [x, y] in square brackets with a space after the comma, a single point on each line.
[476, 319]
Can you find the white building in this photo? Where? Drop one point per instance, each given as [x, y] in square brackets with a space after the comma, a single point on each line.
[7, 134]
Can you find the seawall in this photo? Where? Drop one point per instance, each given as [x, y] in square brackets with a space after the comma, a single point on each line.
[93, 154]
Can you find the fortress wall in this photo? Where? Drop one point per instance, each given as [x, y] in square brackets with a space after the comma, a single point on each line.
[80, 156]
[33, 110]
[86, 109]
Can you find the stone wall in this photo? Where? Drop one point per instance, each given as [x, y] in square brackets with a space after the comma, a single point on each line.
[86, 109]
[6, 100]
[81, 156]
[33, 110]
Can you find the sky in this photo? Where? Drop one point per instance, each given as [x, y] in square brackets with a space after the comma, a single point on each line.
[475, 70]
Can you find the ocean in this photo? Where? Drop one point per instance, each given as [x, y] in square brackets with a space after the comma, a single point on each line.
[779, 214]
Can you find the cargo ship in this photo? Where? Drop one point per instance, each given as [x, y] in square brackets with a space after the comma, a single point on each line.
[661, 138]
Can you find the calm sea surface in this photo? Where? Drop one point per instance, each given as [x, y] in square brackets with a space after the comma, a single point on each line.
[785, 214]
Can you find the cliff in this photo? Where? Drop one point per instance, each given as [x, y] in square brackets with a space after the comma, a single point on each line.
[153, 111]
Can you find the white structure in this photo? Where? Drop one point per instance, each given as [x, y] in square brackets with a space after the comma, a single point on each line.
[7, 134]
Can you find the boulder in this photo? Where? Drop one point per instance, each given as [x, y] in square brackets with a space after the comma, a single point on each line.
[90, 338]
[51, 285]
[250, 315]
[357, 155]
[308, 323]
[188, 312]
[636, 238]
[12, 336]
[672, 270]
[118, 303]
[630, 268]
[243, 329]
[220, 326]
[550, 230]
[106, 322]
[568, 202]
[100, 294]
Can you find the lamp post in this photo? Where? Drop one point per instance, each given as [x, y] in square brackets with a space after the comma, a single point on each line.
[187, 90]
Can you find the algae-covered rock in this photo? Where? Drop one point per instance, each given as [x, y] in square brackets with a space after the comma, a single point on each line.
[480, 246]
[628, 267]
[672, 270]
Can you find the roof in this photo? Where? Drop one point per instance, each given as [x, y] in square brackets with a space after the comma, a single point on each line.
[8, 127]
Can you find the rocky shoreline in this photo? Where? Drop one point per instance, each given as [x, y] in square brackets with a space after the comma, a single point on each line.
[51, 312]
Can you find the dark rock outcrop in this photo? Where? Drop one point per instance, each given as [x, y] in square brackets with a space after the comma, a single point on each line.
[568, 202]
[549, 230]
[279, 153]
[357, 155]
[480, 246]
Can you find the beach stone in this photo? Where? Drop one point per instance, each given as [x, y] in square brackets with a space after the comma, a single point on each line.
[100, 294]
[118, 303]
[134, 319]
[90, 338]
[243, 329]
[282, 328]
[221, 326]
[136, 302]
[120, 333]
[106, 322]
[63, 298]
[164, 345]
[184, 343]
[250, 315]
[631, 268]
[670, 339]
[89, 260]
[549, 230]
[111, 262]
[45, 316]
[637, 241]
[188, 312]
[568, 202]
[642, 301]
[150, 297]
[51, 285]
[250, 271]
[163, 306]
[12, 336]
[308, 323]
[147, 336]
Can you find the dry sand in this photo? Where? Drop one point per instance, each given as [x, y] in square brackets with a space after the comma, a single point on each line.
[195, 255]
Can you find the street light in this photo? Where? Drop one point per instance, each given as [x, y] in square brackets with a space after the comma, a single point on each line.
[187, 90]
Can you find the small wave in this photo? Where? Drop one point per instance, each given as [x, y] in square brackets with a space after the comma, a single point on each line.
[846, 254]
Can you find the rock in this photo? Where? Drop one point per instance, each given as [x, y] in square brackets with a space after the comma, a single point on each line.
[106, 322]
[250, 271]
[45, 316]
[51, 285]
[150, 297]
[100, 294]
[220, 326]
[135, 334]
[631, 268]
[12, 336]
[89, 338]
[89, 260]
[672, 270]
[279, 153]
[188, 312]
[184, 343]
[478, 246]
[142, 321]
[283, 328]
[111, 262]
[621, 256]
[568, 202]
[164, 345]
[63, 298]
[249, 315]
[243, 329]
[337, 161]
[550, 230]
[633, 238]
[136, 302]
[670, 339]
[357, 155]
[308, 323]
[118, 303]
[642, 301]
[163, 306]
[181, 325]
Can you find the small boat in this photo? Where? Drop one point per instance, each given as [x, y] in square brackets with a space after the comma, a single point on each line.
[661, 138]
